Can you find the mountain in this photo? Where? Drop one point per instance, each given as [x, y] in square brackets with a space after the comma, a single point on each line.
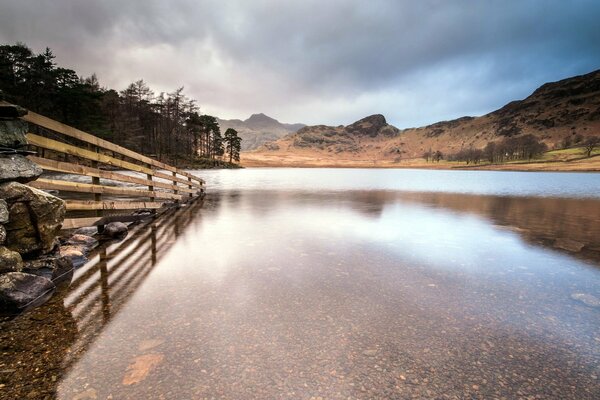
[568, 109]
[258, 129]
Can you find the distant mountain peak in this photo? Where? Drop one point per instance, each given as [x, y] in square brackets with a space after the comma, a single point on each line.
[260, 117]
[258, 129]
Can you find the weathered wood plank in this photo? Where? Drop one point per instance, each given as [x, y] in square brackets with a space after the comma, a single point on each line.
[88, 138]
[67, 186]
[82, 205]
[55, 145]
[69, 168]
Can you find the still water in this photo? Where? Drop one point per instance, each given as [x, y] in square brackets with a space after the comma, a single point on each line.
[322, 283]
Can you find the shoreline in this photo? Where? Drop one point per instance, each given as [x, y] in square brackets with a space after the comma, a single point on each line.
[588, 165]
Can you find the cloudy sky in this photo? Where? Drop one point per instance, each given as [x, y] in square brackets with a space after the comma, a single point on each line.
[319, 61]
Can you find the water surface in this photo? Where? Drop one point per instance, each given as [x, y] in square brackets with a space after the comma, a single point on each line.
[308, 283]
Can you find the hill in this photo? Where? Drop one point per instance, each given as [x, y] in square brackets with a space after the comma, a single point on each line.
[557, 113]
[258, 129]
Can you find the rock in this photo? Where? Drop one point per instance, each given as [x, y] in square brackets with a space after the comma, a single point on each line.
[18, 290]
[18, 168]
[568, 244]
[3, 211]
[10, 261]
[12, 133]
[587, 299]
[35, 218]
[57, 269]
[84, 240]
[116, 230]
[75, 253]
[2, 234]
[88, 231]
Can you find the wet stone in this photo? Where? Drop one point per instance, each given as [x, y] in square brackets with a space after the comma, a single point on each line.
[82, 240]
[76, 254]
[10, 261]
[18, 289]
[116, 230]
[57, 269]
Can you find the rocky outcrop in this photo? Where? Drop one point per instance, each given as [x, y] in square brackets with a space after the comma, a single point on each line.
[35, 218]
[338, 139]
[19, 290]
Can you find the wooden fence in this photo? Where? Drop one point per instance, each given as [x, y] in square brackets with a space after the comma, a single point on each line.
[64, 149]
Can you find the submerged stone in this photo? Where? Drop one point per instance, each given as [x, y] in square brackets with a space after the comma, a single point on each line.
[85, 240]
[57, 269]
[18, 290]
[587, 299]
[75, 253]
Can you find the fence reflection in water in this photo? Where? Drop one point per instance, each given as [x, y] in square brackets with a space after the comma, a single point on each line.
[58, 333]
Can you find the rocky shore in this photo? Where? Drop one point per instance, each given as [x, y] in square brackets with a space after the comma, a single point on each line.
[33, 258]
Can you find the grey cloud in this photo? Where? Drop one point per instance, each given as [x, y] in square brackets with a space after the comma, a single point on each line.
[320, 61]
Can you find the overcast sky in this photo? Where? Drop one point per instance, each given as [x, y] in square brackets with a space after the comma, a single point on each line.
[319, 61]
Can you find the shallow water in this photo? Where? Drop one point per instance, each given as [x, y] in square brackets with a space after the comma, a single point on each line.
[300, 283]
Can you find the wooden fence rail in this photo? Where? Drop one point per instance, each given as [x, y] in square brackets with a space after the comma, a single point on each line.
[126, 174]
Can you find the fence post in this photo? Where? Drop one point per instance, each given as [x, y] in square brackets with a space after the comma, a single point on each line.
[150, 187]
[96, 180]
[175, 183]
[190, 187]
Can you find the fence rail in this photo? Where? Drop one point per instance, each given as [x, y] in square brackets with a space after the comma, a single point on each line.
[131, 181]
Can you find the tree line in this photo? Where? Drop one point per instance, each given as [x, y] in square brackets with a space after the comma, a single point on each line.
[167, 126]
[526, 147]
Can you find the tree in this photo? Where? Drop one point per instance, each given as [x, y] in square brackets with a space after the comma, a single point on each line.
[233, 144]
[590, 145]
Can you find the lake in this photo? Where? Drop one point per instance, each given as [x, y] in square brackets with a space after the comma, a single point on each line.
[333, 284]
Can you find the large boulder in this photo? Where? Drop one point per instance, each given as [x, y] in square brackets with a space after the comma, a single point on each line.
[10, 261]
[19, 290]
[18, 168]
[35, 218]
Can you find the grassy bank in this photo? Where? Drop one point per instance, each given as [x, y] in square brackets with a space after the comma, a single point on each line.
[572, 159]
